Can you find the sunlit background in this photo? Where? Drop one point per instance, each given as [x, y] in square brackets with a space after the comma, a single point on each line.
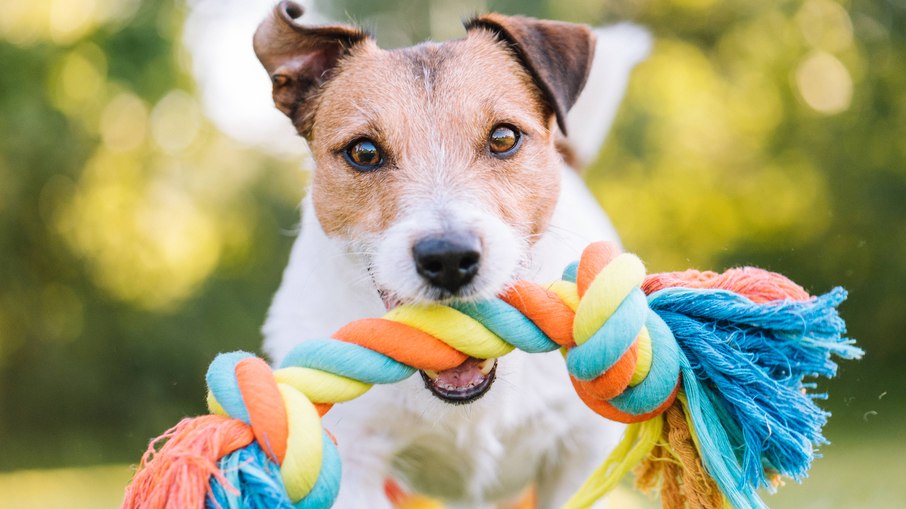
[149, 191]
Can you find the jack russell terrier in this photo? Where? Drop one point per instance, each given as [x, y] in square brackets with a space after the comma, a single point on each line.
[442, 171]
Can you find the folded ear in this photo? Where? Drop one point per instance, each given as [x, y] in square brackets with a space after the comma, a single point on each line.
[298, 58]
[558, 55]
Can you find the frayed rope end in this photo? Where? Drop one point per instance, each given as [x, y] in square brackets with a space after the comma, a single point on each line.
[177, 473]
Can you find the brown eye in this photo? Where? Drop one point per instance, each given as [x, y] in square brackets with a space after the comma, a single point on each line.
[364, 155]
[504, 140]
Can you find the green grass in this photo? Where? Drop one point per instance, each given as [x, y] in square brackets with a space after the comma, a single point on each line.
[858, 472]
[73, 488]
[855, 473]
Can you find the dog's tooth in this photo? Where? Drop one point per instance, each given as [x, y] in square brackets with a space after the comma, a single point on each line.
[486, 366]
[431, 374]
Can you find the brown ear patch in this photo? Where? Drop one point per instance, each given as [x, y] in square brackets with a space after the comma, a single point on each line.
[558, 55]
[299, 58]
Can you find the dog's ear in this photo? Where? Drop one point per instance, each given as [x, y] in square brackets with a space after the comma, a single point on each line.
[299, 58]
[558, 55]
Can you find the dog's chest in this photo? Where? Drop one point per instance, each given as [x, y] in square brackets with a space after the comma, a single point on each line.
[473, 463]
[492, 449]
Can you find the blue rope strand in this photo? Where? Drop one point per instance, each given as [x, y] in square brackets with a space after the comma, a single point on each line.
[752, 359]
[254, 481]
[349, 360]
[256, 478]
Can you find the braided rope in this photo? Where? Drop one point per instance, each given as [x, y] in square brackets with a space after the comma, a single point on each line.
[623, 359]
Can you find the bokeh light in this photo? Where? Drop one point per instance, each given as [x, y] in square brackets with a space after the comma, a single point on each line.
[175, 121]
[824, 83]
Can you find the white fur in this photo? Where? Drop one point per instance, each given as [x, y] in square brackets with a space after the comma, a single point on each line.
[530, 425]
[529, 428]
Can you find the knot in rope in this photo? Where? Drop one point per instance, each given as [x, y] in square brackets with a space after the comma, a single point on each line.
[285, 423]
[626, 362]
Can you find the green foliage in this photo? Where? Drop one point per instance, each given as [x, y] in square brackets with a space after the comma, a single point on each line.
[88, 371]
[781, 149]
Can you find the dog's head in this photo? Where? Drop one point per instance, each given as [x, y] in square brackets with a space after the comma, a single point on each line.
[437, 165]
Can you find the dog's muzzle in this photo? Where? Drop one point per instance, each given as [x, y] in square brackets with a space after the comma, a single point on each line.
[463, 384]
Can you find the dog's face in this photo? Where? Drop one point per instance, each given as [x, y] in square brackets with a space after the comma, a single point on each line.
[436, 165]
[465, 177]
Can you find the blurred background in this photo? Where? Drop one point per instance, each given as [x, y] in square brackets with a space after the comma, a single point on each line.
[149, 196]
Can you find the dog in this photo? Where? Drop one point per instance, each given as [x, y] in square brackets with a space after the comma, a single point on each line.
[442, 171]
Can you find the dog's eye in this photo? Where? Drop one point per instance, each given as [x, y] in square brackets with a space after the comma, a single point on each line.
[364, 155]
[504, 140]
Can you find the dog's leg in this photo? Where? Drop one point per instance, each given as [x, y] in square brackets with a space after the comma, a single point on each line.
[362, 485]
[367, 445]
[364, 475]
[564, 471]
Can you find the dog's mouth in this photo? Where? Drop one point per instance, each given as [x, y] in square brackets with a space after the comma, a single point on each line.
[392, 300]
[460, 385]
[463, 384]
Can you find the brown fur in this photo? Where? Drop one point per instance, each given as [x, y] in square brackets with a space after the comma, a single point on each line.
[558, 55]
[299, 59]
[415, 108]
[430, 108]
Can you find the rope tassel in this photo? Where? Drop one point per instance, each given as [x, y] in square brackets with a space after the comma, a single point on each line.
[707, 369]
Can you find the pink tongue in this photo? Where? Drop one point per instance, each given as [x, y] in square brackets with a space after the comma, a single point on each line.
[465, 375]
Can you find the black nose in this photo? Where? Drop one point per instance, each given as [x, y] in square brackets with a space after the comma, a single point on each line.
[448, 261]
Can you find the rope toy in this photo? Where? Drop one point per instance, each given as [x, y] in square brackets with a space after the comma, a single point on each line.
[707, 369]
